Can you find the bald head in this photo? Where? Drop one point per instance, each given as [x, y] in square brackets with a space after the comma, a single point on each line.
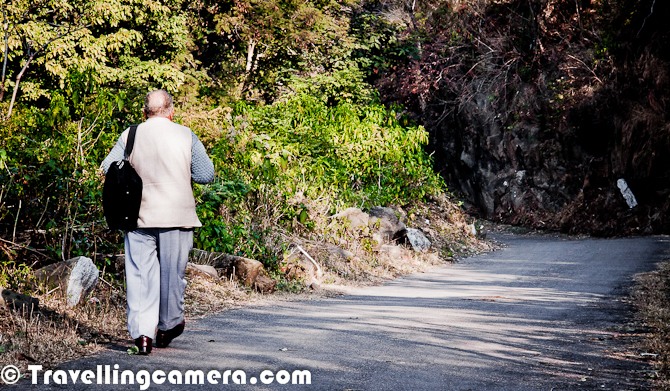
[158, 103]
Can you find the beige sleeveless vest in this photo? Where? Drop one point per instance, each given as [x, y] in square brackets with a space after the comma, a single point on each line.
[162, 158]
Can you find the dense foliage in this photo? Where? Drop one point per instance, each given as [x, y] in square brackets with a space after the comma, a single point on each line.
[278, 91]
[127, 44]
[301, 149]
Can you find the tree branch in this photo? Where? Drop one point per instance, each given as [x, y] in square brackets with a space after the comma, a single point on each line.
[645, 19]
[4, 60]
[23, 246]
[250, 54]
[32, 55]
[49, 23]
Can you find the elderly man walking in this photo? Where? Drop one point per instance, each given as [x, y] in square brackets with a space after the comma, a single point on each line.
[167, 157]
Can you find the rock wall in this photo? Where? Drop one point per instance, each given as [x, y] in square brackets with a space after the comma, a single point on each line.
[537, 109]
[562, 174]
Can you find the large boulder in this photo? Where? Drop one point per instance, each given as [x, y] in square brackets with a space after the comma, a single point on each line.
[218, 260]
[385, 224]
[418, 240]
[265, 284]
[252, 273]
[205, 271]
[77, 277]
[247, 270]
[357, 218]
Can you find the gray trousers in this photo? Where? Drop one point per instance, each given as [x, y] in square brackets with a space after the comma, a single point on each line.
[156, 261]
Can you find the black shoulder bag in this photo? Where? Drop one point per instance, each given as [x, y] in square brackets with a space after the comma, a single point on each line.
[122, 194]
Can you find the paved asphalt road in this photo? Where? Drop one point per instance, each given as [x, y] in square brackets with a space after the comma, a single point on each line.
[542, 314]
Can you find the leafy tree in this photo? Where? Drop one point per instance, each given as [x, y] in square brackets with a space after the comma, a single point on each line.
[253, 48]
[127, 43]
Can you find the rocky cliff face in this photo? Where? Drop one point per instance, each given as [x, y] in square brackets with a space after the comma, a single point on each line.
[535, 122]
[560, 178]
[506, 169]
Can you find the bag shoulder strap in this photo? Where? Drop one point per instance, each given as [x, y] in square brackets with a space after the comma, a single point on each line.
[131, 141]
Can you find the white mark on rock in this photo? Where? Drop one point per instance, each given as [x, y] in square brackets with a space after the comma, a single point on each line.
[627, 193]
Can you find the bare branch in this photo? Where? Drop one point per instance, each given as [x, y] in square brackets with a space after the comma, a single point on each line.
[49, 23]
[645, 19]
[587, 67]
[23, 246]
[4, 60]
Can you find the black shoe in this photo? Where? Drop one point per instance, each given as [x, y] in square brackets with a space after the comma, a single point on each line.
[163, 338]
[143, 343]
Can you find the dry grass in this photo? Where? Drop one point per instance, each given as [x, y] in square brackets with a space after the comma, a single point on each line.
[56, 333]
[445, 225]
[206, 297]
[651, 295]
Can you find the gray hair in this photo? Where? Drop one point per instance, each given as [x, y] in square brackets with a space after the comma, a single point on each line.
[158, 103]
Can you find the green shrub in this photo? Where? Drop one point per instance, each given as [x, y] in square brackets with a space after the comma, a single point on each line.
[275, 159]
[362, 154]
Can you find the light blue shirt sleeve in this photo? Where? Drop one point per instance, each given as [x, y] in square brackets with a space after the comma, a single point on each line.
[202, 168]
[115, 155]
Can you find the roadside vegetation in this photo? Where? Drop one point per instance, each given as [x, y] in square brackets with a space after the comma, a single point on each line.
[281, 95]
[651, 295]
